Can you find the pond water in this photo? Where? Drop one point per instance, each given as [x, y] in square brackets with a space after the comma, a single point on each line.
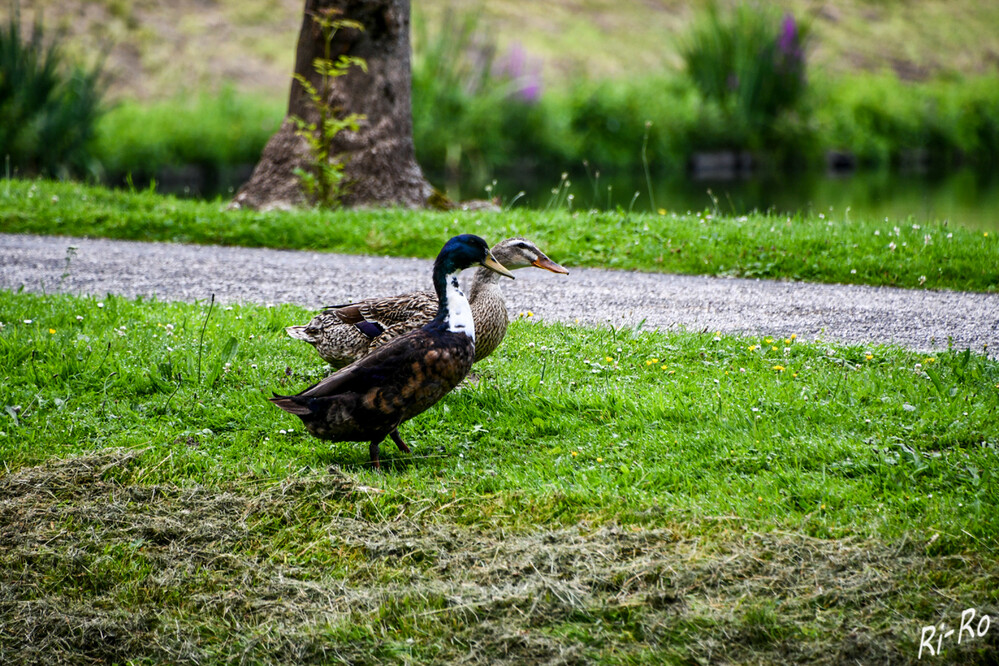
[965, 197]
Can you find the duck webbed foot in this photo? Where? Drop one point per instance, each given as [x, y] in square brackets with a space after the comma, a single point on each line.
[398, 441]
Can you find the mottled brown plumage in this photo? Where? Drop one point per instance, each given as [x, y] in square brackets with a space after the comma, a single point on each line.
[371, 397]
[342, 334]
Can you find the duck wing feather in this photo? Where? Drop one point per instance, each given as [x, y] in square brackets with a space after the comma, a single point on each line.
[372, 396]
[389, 311]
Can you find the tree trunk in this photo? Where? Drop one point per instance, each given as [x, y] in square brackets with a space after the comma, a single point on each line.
[380, 161]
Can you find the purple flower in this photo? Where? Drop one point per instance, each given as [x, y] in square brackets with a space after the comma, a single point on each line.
[788, 42]
[513, 64]
[522, 71]
[531, 90]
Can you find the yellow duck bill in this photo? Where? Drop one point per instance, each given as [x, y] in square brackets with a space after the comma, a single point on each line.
[493, 265]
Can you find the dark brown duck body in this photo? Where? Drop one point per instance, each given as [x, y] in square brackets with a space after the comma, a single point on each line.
[372, 396]
[369, 399]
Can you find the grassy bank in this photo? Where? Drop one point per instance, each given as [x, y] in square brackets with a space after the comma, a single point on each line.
[827, 247]
[602, 495]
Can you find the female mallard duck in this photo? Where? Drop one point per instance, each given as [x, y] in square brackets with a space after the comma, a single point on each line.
[344, 333]
[369, 398]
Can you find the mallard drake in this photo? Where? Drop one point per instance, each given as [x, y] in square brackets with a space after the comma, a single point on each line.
[372, 396]
[344, 333]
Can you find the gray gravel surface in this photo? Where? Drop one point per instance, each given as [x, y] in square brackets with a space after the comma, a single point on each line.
[858, 315]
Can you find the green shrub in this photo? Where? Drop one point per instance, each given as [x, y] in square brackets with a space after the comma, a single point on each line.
[48, 108]
[884, 120]
[208, 130]
[751, 62]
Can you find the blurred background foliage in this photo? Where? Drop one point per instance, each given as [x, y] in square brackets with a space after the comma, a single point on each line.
[735, 80]
[48, 105]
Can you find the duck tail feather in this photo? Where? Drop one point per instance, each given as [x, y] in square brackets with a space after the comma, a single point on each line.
[289, 404]
[299, 333]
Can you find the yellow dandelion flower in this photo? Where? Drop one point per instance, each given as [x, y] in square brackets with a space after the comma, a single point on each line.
[662, 367]
[51, 331]
[752, 347]
[650, 362]
[600, 459]
[768, 340]
[609, 359]
[662, 211]
[530, 314]
[774, 348]
[575, 453]
[779, 368]
[794, 336]
[655, 360]
[930, 360]
[759, 499]
[787, 341]
[869, 357]
[794, 374]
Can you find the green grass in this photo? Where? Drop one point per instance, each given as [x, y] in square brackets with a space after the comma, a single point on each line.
[612, 495]
[831, 247]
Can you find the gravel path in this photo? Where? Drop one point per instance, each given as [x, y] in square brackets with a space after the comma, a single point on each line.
[861, 315]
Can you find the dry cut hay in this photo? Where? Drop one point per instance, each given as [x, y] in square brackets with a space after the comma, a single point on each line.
[96, 570]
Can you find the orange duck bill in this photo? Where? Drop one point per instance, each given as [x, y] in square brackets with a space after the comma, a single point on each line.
[549, 265]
